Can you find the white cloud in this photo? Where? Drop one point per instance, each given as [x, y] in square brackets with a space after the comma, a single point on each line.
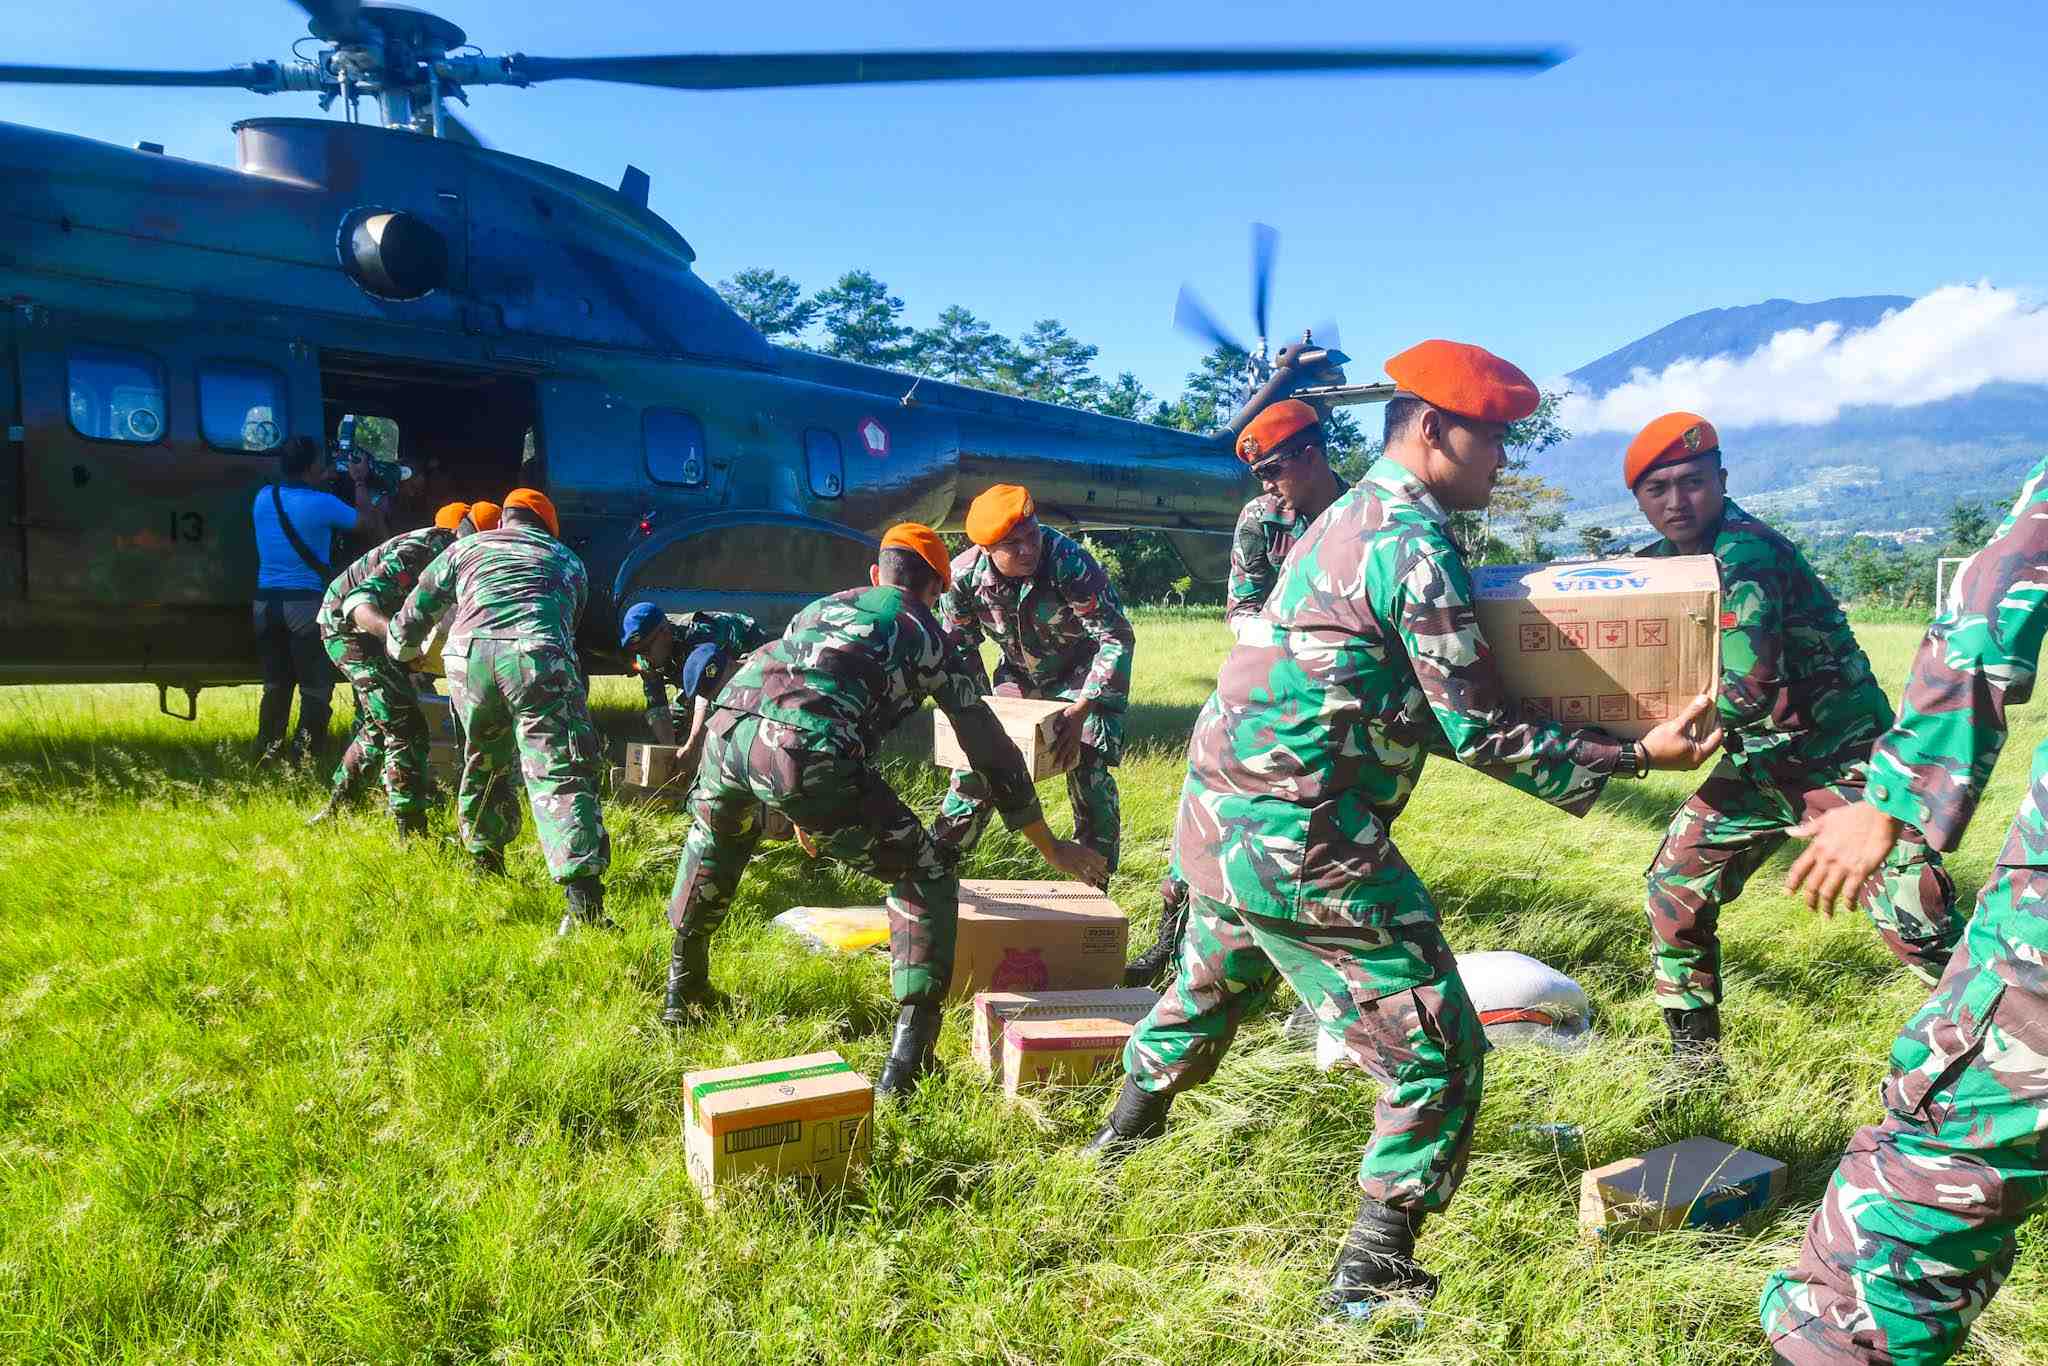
[1947, 343]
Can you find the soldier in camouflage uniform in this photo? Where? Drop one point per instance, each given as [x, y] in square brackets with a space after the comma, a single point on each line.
[391, 729]
[1800, 711]
[657, 646]
[1366, 656]
[1917, 1230]
[1285, 448]
[1048, 606]
[797, 728]
[517, 594]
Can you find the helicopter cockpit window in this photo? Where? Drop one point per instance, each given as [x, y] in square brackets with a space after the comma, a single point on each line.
[675, 447]
[822, 461]
[116, 395]
[242, 407]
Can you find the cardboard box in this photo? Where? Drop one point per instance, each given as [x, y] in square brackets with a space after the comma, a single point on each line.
[995, 1009]
[1695, 1183]
[444, 762]
[1037, 936]
[807, 1116]
[1027, 721]
[650, 765]
[1040, 1055]
[1617, 644]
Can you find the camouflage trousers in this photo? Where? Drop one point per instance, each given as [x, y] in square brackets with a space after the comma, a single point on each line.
[365, 754]
[1917, 1230]
[852, 814]
[524, 715]
[391, 728]
[1091, 789]
[1392, 994]
[1727, 830]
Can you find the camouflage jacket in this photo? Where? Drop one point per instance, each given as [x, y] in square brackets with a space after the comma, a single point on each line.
[1979, 658]
[851, 668]
[734, 632]
[1062, 632]
[515, 583]
[1265, 533]
[1797, 695]
[381, 577]
[1366, 656]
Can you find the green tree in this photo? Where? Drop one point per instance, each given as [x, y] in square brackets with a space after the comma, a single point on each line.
[1351, 451]
[862, 320]
[1051, 364]
[1969, 527]
[960, 347]
[1599, 541]
[770, 300]
[1126, 397]
[1212, 394]
[1526, 508]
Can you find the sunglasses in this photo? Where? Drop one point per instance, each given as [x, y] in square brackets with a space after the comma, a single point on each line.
[1266, 469]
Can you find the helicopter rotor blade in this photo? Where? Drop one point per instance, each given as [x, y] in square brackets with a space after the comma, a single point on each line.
[334, 20]
[1265, 241]
[764, 70]
[1192, 316]
[258, 77]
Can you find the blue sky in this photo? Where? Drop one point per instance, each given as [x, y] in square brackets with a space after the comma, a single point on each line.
[1685, 158]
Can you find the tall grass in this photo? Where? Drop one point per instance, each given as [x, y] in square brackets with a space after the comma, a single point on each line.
[272, 1094]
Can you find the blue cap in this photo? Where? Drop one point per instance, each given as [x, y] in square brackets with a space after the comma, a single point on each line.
[639, 617]
[705, 670]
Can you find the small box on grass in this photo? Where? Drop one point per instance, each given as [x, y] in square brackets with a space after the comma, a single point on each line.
[1039, 1055]
[1618, 644]
[1023, 935]
[995, 1009]
[1028, 723]
[650, 765]
[808, 1116]
[1694, 1183]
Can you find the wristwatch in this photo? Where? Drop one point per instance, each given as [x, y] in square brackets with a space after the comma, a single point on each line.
[1635, 759]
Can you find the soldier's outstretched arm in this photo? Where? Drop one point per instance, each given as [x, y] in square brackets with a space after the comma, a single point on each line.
[1752, 648]
[1979, 658]
[1087, 590]
[1252, 573]
[424, 607]
[961, 625]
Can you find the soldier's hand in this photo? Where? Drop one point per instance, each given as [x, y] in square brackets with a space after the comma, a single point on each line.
[1848, 845]
[1080, 863]
[804, 841]
[1670, 746]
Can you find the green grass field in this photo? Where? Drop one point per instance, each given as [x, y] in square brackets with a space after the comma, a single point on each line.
[269, 1094]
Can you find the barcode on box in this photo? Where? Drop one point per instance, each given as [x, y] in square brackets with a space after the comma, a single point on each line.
[763, 1136]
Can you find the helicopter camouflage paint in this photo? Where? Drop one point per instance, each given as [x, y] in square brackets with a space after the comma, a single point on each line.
[169, 324]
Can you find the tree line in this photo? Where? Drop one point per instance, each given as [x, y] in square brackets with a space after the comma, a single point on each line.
[857, 318]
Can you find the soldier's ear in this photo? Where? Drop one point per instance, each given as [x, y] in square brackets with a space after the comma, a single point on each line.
[874, 576]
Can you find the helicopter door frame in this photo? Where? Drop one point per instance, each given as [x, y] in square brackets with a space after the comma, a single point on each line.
[13, 546]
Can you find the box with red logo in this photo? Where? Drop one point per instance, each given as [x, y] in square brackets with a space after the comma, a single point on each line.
[993, 1010]
[1041, 1054]
[1617, 644]
[1037, 936]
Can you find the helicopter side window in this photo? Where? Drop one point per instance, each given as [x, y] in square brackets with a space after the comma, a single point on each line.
[674, 443]
[823, 463]
[242, 407]
[116, 395]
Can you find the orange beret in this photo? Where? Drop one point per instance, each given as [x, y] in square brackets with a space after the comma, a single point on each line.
[1467, 380]
[450, 516]
[483, 515]
[535, 502]
[997, 511]
[1275, 426]
[1671, 438]
[921, 541]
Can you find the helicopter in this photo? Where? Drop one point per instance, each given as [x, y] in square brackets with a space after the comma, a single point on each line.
[170, 324]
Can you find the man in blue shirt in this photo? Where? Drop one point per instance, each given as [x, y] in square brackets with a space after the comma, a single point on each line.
[290, 579]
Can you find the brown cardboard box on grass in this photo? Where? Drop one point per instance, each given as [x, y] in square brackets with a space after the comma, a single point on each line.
[1042, 1054]
[650, 765]
[995, 1009]
[1037, 936]
[807, 1116]
[1618, 644]
[1028, 723]
[1696, 1183]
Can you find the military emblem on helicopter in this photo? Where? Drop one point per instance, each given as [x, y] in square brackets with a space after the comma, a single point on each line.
[875, 437]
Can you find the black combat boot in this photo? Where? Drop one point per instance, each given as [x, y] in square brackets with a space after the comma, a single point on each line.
[911, 1052]
[490, 863]
[412, 825]
[1377, 1262]
[1154, 963]
[690, 993]
[338, 801]
[1695, 1048]
[586, 906]
[1138, 1117]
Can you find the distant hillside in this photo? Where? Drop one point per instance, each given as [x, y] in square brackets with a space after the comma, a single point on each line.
[1871, 469]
